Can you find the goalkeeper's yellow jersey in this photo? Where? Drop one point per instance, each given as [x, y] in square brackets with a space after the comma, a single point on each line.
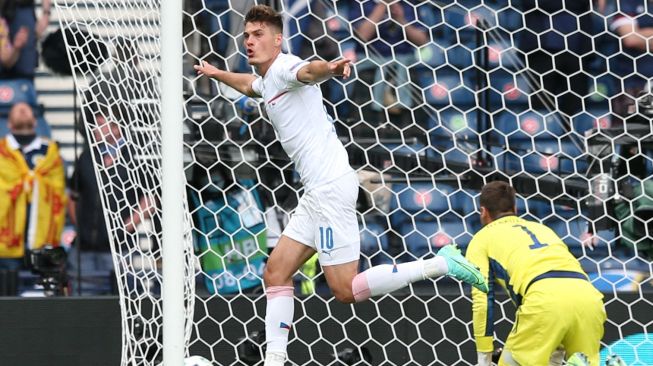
[514, 253]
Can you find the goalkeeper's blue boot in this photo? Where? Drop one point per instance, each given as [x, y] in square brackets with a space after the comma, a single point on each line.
[578, 359]
[614, 360]
[461, 269]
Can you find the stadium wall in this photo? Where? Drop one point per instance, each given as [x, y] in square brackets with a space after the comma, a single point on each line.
[72, 331]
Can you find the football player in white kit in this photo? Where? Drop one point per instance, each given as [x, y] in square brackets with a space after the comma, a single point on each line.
[325, 218]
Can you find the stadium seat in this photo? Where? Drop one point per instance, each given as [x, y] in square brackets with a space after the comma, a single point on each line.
[591, 119]
[375, 243]
[441, 138]
[543, 154]
[460, 57]
[532, 123]
[510, 19]
[462, 202]
[16, 91]
[426, 237]
[419, 198]
[572, 232]
[446, 88]
[502, 54]
[507, 88]
[463, 124]
[432, 54]
[417, 238]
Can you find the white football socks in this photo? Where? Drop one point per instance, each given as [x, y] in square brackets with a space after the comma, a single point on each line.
[387, 278]
[278, 317]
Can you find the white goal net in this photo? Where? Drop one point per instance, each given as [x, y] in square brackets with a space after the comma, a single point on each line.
[445, 96]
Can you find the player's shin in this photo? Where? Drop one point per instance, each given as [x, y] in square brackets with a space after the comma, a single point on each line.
[387, 278]
[278, 318]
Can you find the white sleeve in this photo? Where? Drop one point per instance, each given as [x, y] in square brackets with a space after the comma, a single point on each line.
[257, 86]
[622, 20]
[288, 73]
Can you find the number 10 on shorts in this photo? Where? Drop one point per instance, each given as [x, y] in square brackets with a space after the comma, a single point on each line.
[326, 237]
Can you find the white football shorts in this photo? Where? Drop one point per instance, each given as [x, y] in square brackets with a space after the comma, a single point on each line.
[325, 220]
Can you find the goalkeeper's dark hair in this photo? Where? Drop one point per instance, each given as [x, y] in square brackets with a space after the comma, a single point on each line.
[264, 14]
[498, 198]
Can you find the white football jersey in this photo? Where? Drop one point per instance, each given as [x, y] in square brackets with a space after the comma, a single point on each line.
[303, 127]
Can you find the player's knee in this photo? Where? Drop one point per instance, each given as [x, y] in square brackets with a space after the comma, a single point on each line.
[345, 296]
[273, 276]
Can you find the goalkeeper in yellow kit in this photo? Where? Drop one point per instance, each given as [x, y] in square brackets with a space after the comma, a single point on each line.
[557, 307]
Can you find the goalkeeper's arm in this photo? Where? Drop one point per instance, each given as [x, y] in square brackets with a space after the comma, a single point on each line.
[238, 81]
[482, 314]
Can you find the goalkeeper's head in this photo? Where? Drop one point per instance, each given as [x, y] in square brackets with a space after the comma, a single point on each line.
[262, 35]
[497, 200]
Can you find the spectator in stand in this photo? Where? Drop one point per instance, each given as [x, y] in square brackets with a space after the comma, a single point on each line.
[389, 35]
[32, 210]
[323, 39]
[634, 26]
[19, 33]
[86, 213]
[128, 204]
[557, 40]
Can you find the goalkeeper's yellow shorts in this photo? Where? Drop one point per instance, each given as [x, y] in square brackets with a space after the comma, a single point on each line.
[565, 312]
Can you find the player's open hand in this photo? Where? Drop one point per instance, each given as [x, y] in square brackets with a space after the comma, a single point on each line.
[340, 68]
[590, 241]
[205, 68]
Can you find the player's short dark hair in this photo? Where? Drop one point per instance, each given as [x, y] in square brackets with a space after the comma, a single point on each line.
[498, 198]
[264, 14]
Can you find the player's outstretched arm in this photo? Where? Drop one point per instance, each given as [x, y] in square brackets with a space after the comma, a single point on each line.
[318, 71]
[238, 81]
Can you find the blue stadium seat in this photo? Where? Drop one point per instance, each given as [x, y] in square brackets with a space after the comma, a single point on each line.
[460, 57]
[429, 14]
[16, 91]
[446, 88]
[432, 54]
[541, 155]
[441, 138]
[417, 238]
[566, 212]
[572, 232]
[455, 16]
[462, 202]
[375, 242]
[510, 19]
[405, 149]
[590, 119]
[507, 88]
[462, 124]
[503, 54]
[426, 237]
[419, 198]
[530, 124]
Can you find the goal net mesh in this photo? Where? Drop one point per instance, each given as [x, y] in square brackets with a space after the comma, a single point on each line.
[444, 97]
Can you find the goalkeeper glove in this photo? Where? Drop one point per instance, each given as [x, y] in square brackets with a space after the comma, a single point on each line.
[484, 358]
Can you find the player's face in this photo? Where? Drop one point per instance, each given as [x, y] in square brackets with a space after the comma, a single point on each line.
[262, 43]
